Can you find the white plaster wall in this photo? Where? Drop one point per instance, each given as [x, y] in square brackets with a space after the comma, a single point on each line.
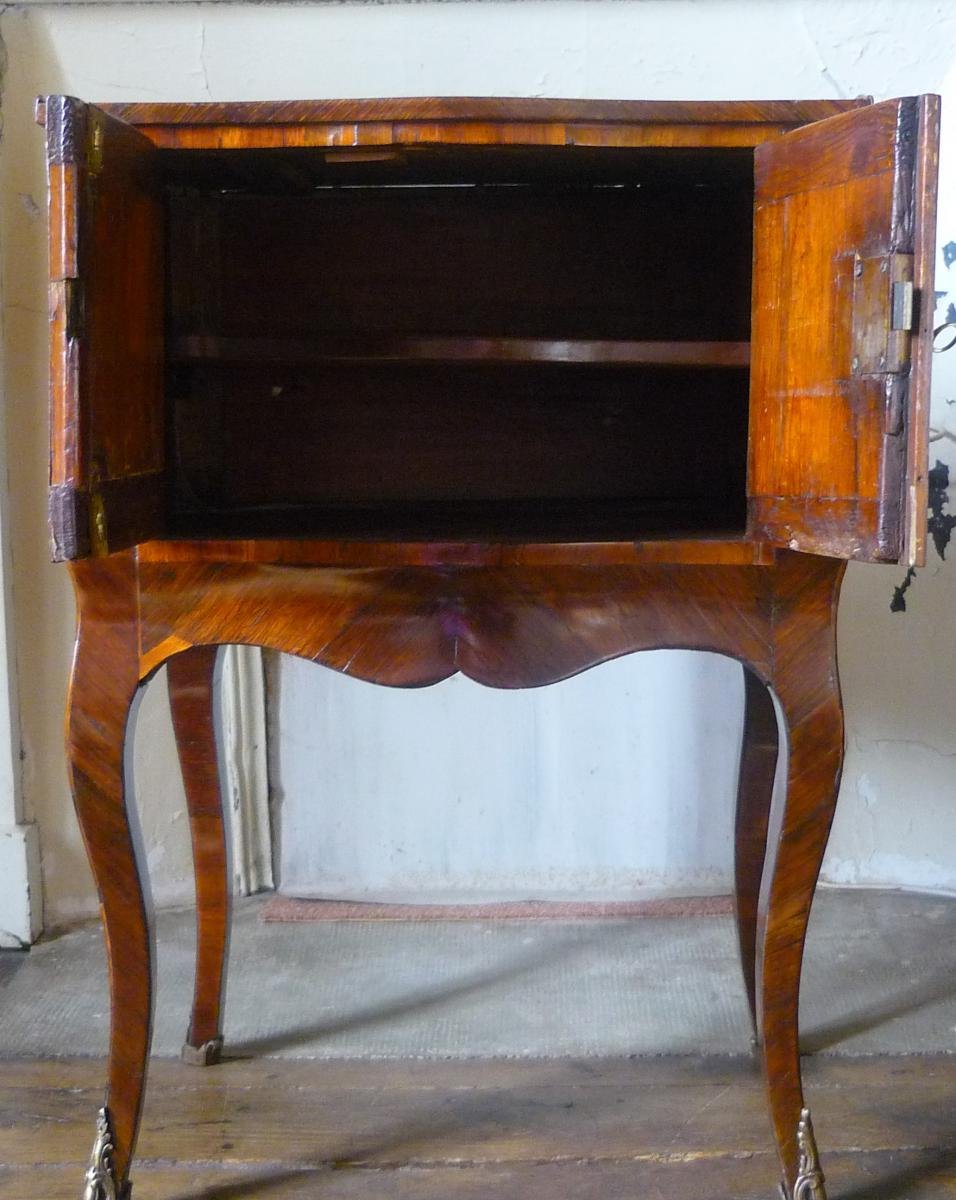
[592, 788]
[896, 822]
[616, 783]
[898, 801]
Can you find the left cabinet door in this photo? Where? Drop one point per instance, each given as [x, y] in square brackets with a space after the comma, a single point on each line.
[107, 450]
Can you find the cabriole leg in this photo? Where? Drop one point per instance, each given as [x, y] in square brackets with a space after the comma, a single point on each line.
[191, 702]
[103, 685]
[758, 764]
[806, 683]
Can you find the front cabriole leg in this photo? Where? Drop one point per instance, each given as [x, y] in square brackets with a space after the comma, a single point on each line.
[104, 682]
[804, 678]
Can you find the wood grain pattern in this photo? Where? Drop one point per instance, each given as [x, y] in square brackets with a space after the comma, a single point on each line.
[903, 1174]
[828, 449]
[381, 470]
[106, 398]
[758, 765]
[532, 300]
[850, 147]
[926, 175]
[481, 120]
[347, 135]
[506, 626]
[192, 703]
[369, 553]
[390, 348]
[483, 108]
[191, 700]
[518, 1130]
[807, 687]
[102, 687]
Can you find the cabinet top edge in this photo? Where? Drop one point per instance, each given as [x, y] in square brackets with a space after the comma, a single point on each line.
[482, 108]
[343, 553]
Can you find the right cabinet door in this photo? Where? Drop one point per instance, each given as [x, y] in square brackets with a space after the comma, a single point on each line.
[844, 246]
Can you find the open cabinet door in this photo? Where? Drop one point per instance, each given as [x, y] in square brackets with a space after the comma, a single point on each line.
[106, 312]
[844, 245]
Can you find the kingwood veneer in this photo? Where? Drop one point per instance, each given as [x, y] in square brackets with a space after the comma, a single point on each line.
[505, 387]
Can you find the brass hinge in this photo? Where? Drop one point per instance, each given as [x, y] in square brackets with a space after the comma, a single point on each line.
[94, 152]
[69, 514]
[883, 314]
[78, 524]
[99, 534]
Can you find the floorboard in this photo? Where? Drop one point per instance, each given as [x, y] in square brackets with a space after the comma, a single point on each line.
[660, 1129]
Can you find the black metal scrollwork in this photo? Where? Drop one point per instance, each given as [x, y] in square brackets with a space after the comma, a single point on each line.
[950, 325]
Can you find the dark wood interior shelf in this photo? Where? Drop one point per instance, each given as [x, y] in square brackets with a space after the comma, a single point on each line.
[380, 348]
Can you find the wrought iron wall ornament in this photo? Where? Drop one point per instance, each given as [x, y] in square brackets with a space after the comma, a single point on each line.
[950, 325]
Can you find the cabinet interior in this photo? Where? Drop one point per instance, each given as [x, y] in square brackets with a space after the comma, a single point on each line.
[482, 342]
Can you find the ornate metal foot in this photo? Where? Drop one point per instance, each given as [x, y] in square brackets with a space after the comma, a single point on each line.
[809, 1184]
[206, 1055]
[100, 1178]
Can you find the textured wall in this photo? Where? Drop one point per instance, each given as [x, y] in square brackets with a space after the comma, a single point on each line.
[598, 789]
[897, 820]
[618, 782]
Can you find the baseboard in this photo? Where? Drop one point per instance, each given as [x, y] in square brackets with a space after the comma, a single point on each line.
[21, 893]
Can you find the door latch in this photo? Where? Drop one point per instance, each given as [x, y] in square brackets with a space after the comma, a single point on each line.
[901, 305]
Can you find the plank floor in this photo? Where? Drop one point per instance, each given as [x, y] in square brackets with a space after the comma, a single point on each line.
[587, 1129]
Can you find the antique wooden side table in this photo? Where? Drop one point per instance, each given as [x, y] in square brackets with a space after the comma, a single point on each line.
[506, 387]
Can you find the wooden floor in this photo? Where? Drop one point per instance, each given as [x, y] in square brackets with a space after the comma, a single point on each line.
[645, 1129]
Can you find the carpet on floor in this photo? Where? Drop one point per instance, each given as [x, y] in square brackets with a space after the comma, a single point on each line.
[292, 909]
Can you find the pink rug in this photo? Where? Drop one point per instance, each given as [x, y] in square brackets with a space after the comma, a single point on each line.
[287, 908]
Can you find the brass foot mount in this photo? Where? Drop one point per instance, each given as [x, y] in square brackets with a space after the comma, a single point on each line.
[100, 1179]
[809, 1184]
[206, 1055]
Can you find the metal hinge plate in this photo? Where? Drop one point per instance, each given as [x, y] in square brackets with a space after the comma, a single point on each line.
[69, 513]
[99, 538]
[883, 314]
[94, 154]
